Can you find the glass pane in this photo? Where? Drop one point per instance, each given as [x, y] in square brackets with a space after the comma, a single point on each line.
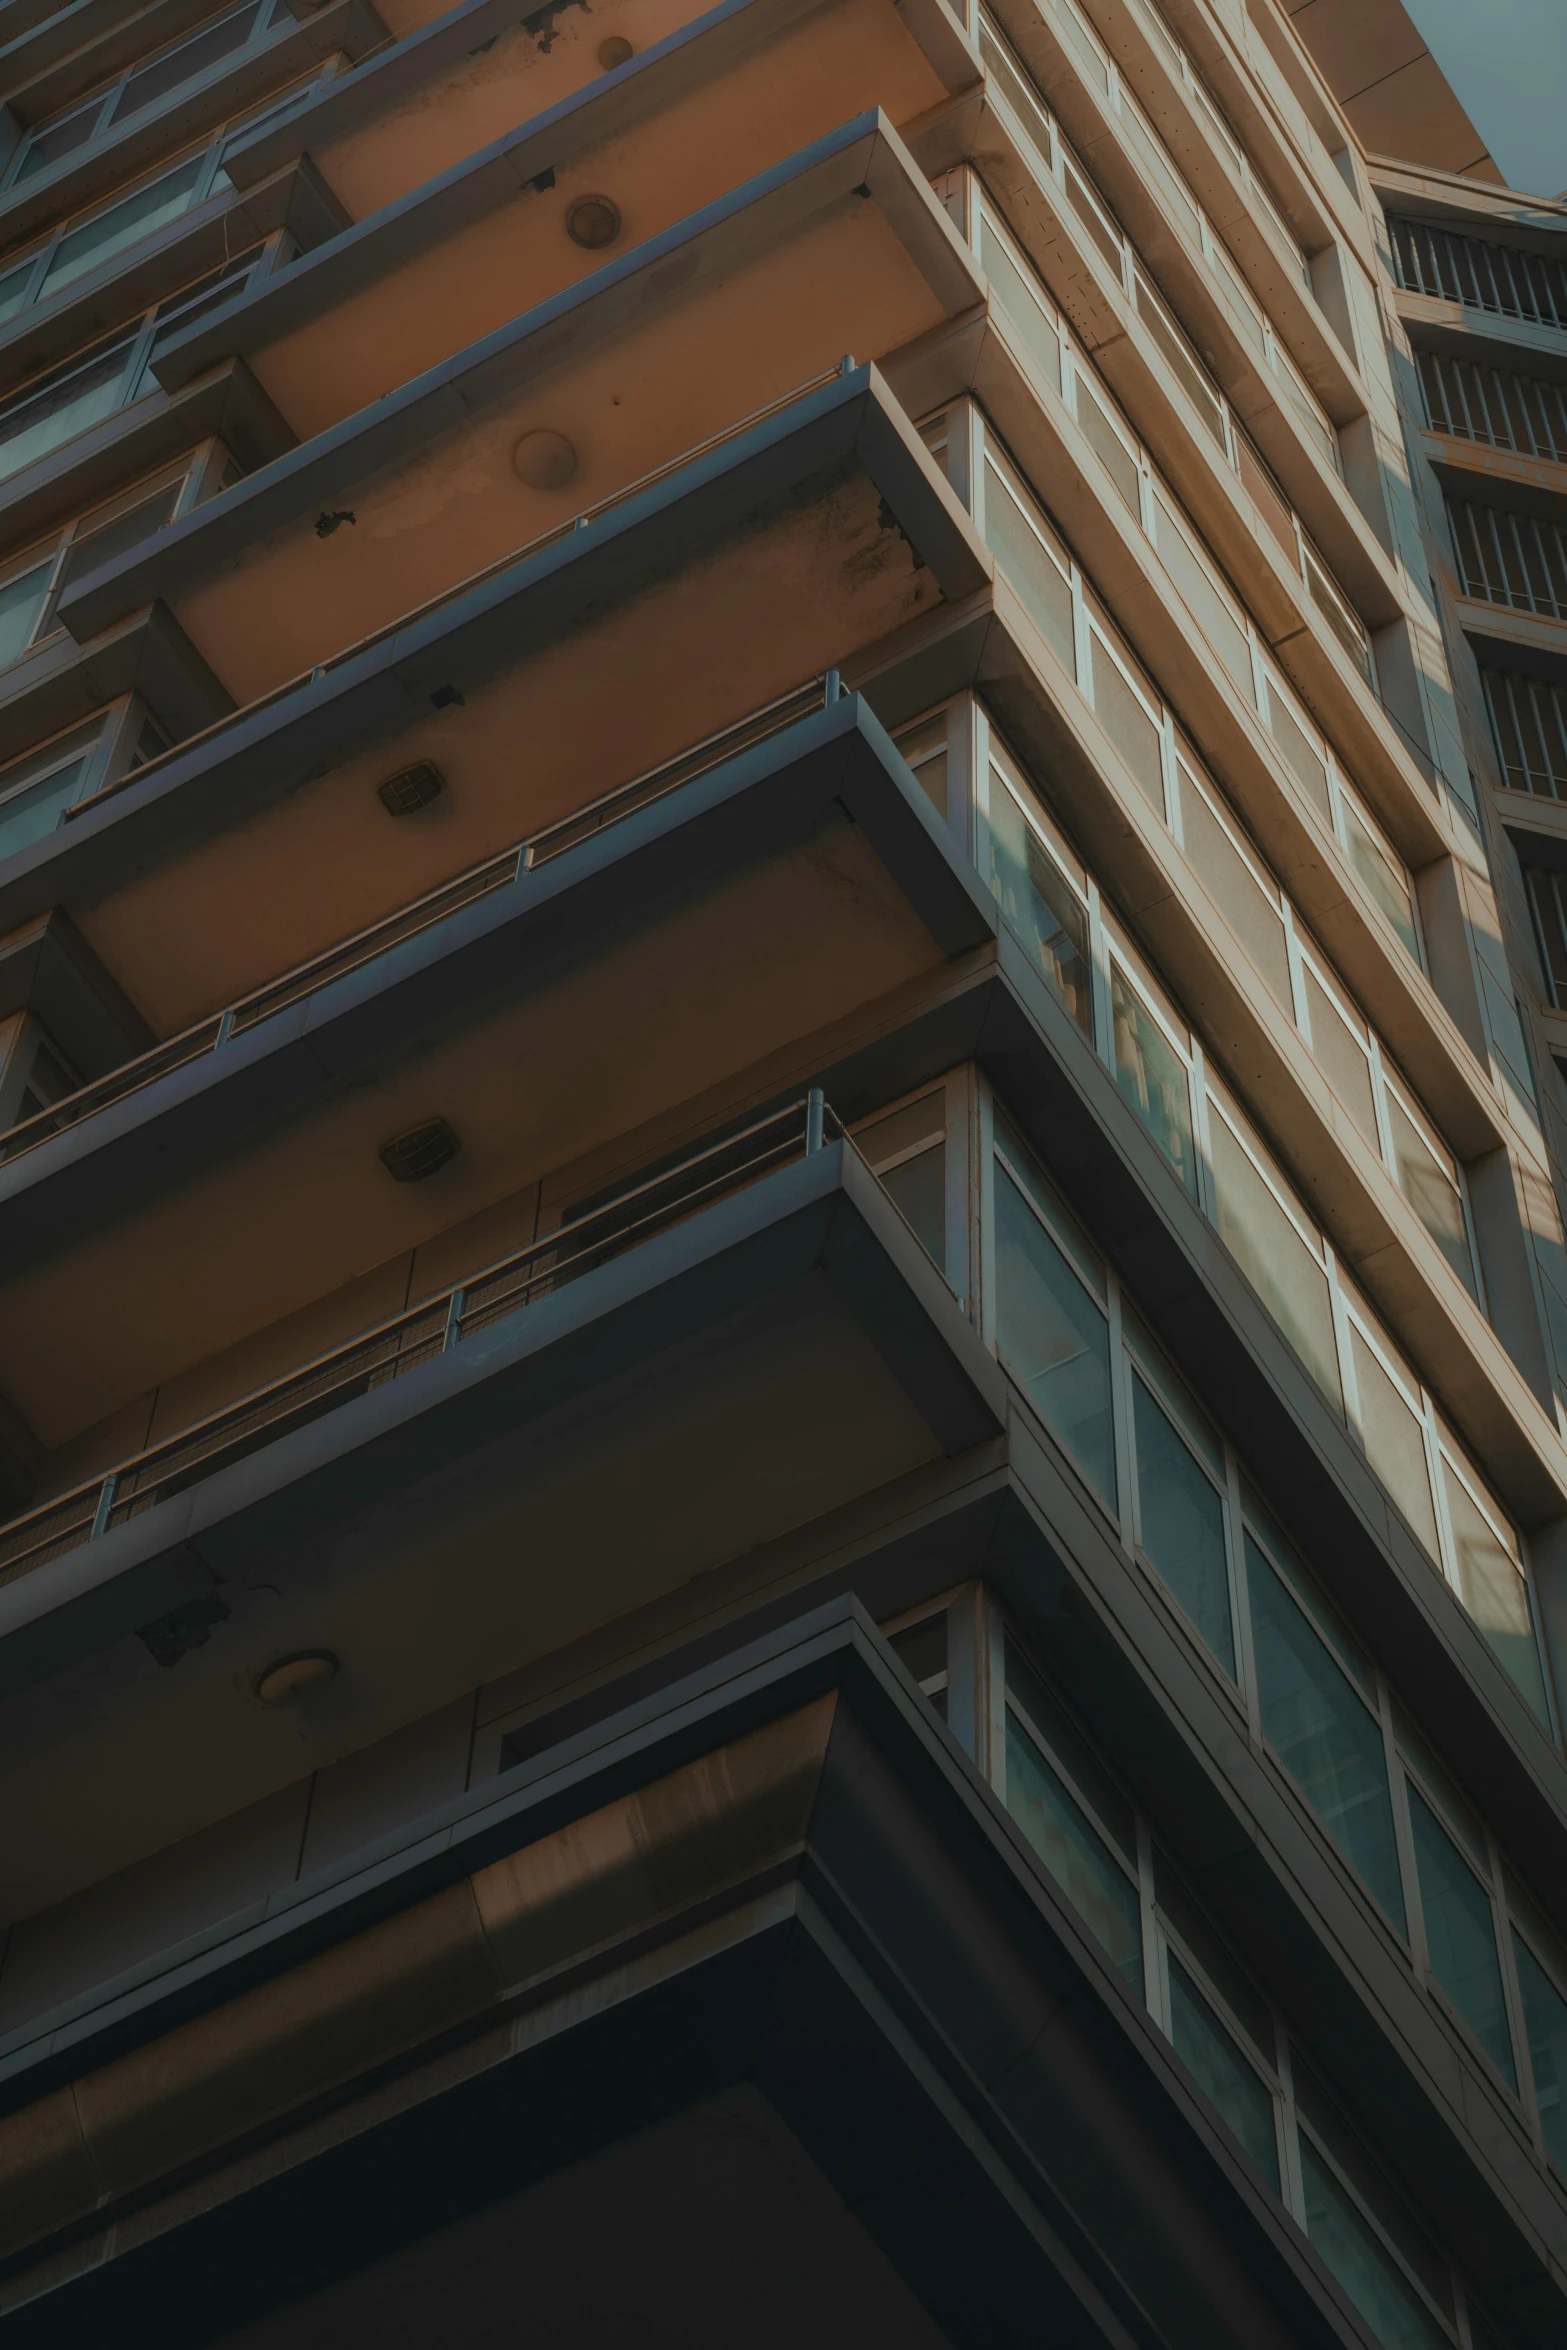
[1234, 887]
[1430, 1191]
[1182, 1525]
[1461, 1934]
[1039, 904]
[1113, 453]
[1203, 598]
[1342, 1057]
[113, 539]
[1362, 2265]
[32, 812]
[1275, 1259]
[62, 138]
[122, 224]
[1022, 305]
[918, 1190]
[1038, 580]
[41, 423]
[170, 72]
[1385, 886]
[925, 749]
[1268, 499]
[1394, 1441]
[1178, 358]
[1127, 723]
[1075, 1854]
[1492, 1588]
[1326, 1739]
[1304, 758]
[1086, 205]
[1153, 1077]
[1053, 1338]
[1545, 2021]
[14, 288]
[21, 601]
[1213, 2057]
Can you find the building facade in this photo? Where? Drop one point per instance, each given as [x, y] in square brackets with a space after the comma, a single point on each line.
[783, 1319]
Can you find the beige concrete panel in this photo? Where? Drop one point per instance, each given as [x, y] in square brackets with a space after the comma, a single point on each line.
[46, 2174]
[114, 1925]
[1414, 113]
[724, 1816]
[646, 1023]
[692, 654]
[294, 2037]
[703, 1455]
[1357, 42]
[696, 365]
[481, 1240]
[841, 59]
[368, 1794]
[327, 1322]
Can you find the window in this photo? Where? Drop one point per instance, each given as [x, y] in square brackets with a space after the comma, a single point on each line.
[38, 579]
[1057, 1318]
[1048, 342]
[144, 86]
[1236, 2052]
[55, 407]
[35, 791]
[1529, 720]
[906, 1150]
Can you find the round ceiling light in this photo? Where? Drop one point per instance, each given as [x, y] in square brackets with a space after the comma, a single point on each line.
[295, 1676]
[614, 51]
[593, 221]
[545, 460]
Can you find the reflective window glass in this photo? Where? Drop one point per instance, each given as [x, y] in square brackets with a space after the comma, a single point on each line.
[1039, 904]
[1252, 913]
[42, 420]
[1181, 1521]
[1053, 1337]
[1153, 1076]
[1384, 885]
[1275, 1258]
[1326, 1739]
[1461, 1934]
[1430, 1191]
[1128, 724]
[21, 601]
[1074, 1852]
[123, 224]
[1545, 2022]
[1213, 2057]
[1394, 1440]
[1362, 2264]
[1491, 1585]
[1342, 1057]
[1021, 303]
[1037, 578]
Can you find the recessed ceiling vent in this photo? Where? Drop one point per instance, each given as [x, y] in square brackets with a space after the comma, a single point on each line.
[422, 1151]
[411, 788]
[593, 221]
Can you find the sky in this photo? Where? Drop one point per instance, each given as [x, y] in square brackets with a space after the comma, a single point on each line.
[1507, 61]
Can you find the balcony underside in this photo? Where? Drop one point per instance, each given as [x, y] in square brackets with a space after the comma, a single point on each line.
[784, 1890]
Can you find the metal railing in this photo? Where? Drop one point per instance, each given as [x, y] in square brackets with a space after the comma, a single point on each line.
[1529, 720]
[389, 1350]
[377, 938]
[1511, 559]
[461, 587]
[1494, 407]
[1501, 279]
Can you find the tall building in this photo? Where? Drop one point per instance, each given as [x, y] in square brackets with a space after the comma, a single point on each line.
[783, 1318]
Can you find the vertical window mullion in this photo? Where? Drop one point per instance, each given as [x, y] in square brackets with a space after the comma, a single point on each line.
[1403, 1834]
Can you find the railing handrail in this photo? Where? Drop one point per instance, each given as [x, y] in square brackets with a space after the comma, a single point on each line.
[809, 1115]
[215, 1028]
[461, 587]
